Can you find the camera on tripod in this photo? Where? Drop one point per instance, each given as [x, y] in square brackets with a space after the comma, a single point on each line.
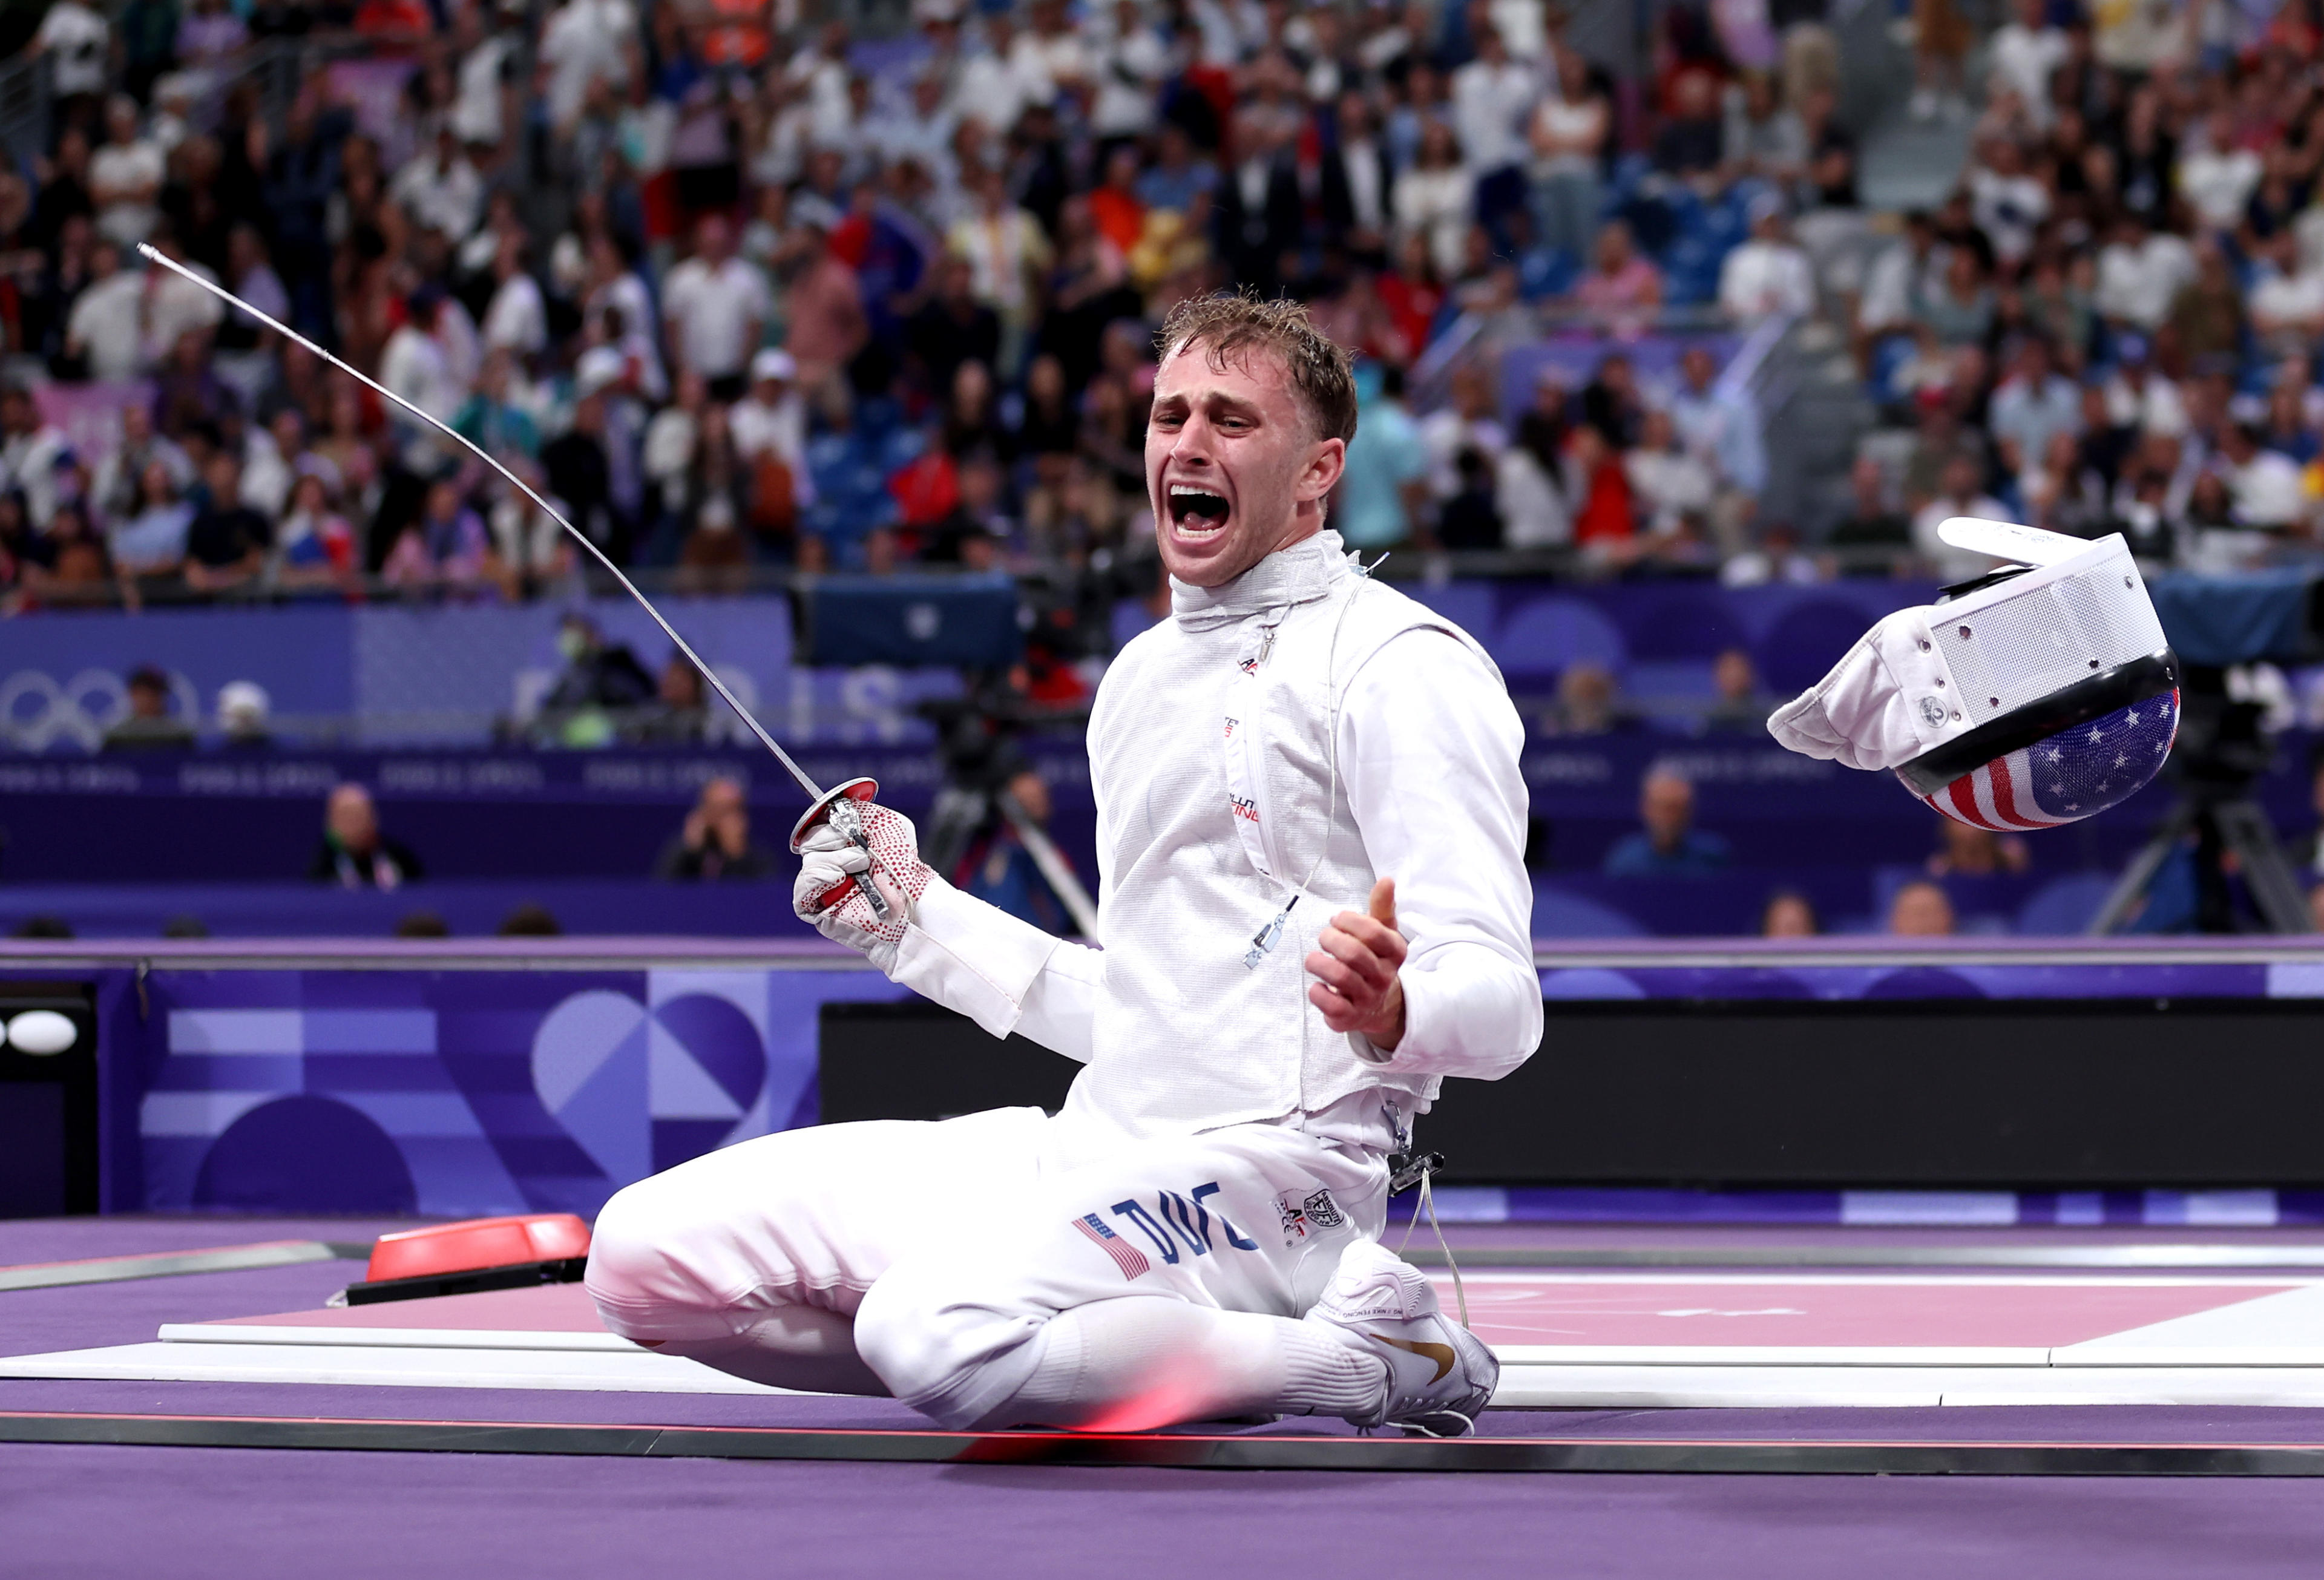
[2221, 626]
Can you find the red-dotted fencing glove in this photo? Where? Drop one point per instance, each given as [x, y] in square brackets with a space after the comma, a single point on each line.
[827, 860]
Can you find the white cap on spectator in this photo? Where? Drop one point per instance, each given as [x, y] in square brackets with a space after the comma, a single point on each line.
[1766, 205]
[599, 366]
[773, 363]
[243, 705]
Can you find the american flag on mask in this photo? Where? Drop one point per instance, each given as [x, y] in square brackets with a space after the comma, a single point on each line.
[1126, 1256]
[2069, 776]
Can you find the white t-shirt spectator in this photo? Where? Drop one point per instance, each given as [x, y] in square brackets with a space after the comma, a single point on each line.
[122, 178]
[75, 39]
[580, 43]
[1668, 484]
[517, 317]
[757, 427]
[2266, 488]
[174, 304]
[448, 197]
[1444, 433]
[1761, 279]
[1489, 107]
[104, 324]
[714, 312]
[2151, 405]
[2284, 303]
[476, 101]
[2008, 209]
[2217, 182]
[995, 90]
[1129, 71]
[2022, 59]
[2135, 284]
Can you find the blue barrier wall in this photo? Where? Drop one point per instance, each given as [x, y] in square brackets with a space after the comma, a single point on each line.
[376, 1080]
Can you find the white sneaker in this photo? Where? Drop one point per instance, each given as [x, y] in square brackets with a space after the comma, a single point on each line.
[1440, 1374]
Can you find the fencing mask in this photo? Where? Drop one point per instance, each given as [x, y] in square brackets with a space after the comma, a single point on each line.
[2039, 694]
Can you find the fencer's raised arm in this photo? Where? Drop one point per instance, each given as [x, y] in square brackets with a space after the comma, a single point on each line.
[1429, 749]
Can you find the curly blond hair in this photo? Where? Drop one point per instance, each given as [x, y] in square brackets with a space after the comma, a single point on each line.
[1230, 327]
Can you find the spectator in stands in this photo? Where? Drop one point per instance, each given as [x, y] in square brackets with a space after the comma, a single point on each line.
[1528, 486]
[1963, 851]
[530, 920]
[244, 714]
[1768, 276]
[1668, 845]
[1623, 289]
[997, 866]
[1690, 143]
[679, 714]
[1739, 704]
[150, 724]
[716, 842]
[1958, 495]
[1384, 492]
[1435, 196]
[1718, 425]
[1789, 914]
[422, 924]
[598, 674]
[1571, 125]
[354, 853]
[227, 542]
[1668, 484]
[1873, 537]
[718, 306]
[2035, 403]
[150, 542]
[1921, 909]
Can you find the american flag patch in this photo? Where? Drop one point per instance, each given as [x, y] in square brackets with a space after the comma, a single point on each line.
[1126, 1256]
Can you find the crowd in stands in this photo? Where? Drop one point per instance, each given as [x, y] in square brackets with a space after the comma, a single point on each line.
[742, 294]
[2109, 324]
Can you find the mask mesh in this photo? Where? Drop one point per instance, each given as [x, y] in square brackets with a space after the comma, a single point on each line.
[2019, 650]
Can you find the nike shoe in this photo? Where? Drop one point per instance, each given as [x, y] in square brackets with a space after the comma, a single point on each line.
[1440, 1374]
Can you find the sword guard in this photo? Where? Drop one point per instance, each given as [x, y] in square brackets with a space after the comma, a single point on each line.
[837, 807]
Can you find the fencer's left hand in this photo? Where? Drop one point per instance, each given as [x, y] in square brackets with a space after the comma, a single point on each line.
[1355, 963]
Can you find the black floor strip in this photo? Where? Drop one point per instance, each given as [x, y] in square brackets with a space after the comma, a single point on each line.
[1186, 1451]
[49, 1275]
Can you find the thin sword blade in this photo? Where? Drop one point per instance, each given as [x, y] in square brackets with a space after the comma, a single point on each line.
[797, 773]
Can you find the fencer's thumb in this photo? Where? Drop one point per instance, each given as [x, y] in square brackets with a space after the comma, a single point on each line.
[1383, 903]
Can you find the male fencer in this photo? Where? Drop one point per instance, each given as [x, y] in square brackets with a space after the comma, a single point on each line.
[1313, 908]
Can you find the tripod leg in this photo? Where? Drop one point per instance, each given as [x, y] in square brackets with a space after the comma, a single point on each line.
[2274, 889]
[2132, 884]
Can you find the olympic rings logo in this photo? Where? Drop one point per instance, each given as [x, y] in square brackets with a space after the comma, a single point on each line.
[36, 712]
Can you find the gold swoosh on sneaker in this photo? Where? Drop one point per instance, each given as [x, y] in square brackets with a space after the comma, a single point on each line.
[1441, 1354]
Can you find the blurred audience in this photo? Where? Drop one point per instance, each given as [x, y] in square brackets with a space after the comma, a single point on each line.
[354, 853]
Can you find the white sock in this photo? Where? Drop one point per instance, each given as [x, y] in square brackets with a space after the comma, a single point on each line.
[1141, 1362]
[804, 1347]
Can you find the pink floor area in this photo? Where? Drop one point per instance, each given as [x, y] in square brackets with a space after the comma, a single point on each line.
[1552, 1309]
[1831, 1313]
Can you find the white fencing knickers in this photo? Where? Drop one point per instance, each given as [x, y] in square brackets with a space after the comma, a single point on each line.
[950, 1245]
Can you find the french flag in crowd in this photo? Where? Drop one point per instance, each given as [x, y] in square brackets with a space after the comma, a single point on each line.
[2068, 776]
[1126, 1256]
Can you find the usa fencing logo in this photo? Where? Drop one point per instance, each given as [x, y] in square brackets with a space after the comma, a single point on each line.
[2072, 776]
[1126, 1256]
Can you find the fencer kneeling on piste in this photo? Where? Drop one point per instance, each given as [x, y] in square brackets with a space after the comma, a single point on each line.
[1313, 908]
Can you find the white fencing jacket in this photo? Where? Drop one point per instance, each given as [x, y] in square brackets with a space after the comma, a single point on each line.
[1211, 756]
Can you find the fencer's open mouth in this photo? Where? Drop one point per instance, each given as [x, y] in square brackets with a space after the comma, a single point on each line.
[1196, 511]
